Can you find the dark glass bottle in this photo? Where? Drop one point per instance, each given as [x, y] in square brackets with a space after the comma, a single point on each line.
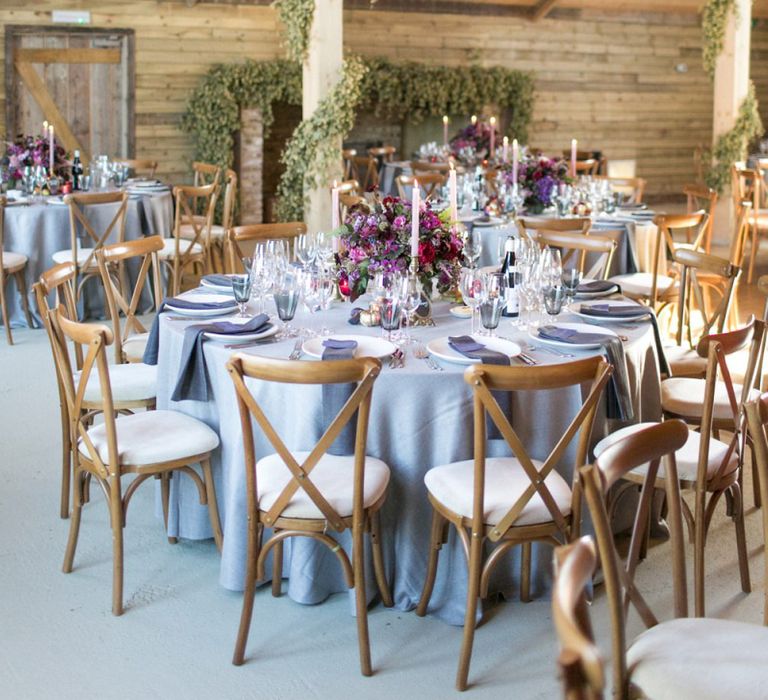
[508, 269]
[77, 172]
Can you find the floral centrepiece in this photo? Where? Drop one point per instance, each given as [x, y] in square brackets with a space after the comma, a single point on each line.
[538, 180]
[473, 141]
[377, 237]
[31, 151]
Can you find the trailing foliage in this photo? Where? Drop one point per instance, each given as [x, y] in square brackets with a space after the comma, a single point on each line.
[732, 146]
[405, 91]
[714, 19]
[296, 16]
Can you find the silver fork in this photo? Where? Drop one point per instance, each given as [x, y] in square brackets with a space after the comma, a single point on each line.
[296, 352]
[421, 353]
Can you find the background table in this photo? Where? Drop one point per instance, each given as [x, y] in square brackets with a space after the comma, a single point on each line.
[420, 418]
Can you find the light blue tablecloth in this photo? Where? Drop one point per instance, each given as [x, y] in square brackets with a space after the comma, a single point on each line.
[420, 418]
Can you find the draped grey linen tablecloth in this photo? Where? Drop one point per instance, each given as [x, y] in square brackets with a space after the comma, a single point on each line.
[40, 230]
[420, 418]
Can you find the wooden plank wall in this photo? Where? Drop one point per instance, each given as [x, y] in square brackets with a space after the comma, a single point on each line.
[608, 81]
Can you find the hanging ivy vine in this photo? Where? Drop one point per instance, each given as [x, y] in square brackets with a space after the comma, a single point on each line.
[296, 16]
[403, 91]
[714, 19]
[732, 146]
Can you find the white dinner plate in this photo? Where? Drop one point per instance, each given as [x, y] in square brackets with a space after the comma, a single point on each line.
[439, 348]
[367, 346]
[492, 221]
[582, 328]
[203, 299]
[642, 311]
[242, 337]
[460, 311]
[593, 295]
[210, 285]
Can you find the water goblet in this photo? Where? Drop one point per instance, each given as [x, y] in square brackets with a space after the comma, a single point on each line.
[310, 297]
[571, 279]
[303, 249]
[473, 246]
[241, 288]
[553, 300]
[391, 311]
[410, 299]
[286, 301]
[471, 287]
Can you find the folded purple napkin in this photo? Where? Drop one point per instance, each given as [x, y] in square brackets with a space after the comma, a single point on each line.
[613, 310]
[336, 395]
[597, 286]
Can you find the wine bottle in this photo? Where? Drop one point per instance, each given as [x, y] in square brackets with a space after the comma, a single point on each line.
[508, 269]
[77, 171]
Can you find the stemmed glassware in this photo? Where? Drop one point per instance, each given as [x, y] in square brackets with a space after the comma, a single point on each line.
[471, 287]
[492, 302]
[391, 308]
[571, 280]
[310, 297]
[410, 299]
[287, 295]
[326, 286]
[473, 246]
[303, 248]
[241, 288]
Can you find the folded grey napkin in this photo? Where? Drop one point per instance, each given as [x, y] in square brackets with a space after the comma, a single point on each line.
[619, 404]
[598, 286]
[192, 382]
[336, 395]
[153, 342]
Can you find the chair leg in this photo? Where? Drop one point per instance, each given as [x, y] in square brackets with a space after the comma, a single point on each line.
[473, 594]
[117, 518]
[66, 465]
[756, 481]
[525, 573]
[699, 541]
[165, 493]
[753, 252]
[361, 603]
[378, 561]
[277, 569]
[254, 539]
[21, 284]
[74, 521]
[741, 538]
[4, 309]
[435, 544]
[213, 504]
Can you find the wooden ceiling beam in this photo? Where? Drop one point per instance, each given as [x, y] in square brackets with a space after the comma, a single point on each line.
[542, 9]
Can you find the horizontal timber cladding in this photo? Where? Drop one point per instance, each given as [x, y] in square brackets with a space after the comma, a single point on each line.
[608, 80]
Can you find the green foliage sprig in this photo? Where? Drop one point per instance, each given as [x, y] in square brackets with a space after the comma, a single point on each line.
[714, 19]
[296, 16]
[406, 91]
[732, 146]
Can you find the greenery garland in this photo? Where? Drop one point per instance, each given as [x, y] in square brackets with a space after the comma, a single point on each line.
[410, 91]
[714, 19]
[732, 146]
[296, 16]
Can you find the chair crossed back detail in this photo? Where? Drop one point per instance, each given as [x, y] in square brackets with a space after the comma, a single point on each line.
[746, 185]
[143, 165]
[633, 186]
[256, 233]
[230, 196]
[485, 379]
[187, 200]
[589, 166]
[346, 155]
[77, 204]
[702, 198]
[145, 252]
[94, 339]
[204, 174]
[576, 246]
[648, 446]
[428, 183]
[363, 371]
[60, 282]
[693, 264]
[365, 170]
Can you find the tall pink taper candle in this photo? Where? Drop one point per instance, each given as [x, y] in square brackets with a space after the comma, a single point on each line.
[415, 205]
[505, 150]
[492, 154]
[454, 195]
[574, 144]
[515, 160]
[445, 129]
[335, 205]
[51, 147]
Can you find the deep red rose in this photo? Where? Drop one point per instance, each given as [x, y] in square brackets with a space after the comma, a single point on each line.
[426, 252]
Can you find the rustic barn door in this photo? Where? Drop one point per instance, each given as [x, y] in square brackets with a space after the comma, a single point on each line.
[81, 80]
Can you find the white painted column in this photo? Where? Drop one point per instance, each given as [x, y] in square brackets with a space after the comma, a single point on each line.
[730, 89]
[322, 70]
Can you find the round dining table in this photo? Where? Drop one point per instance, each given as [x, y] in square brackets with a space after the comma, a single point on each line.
[420, 418]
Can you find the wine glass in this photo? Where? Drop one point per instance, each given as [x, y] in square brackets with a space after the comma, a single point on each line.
[326, 286]
[492, 302]
[571, 279]
[551, 266]
[303, 249]
[473, 246]
[390, 310]
[324, 248]
[310, 297]
[287, 296]
[471, 287]
[241, 288]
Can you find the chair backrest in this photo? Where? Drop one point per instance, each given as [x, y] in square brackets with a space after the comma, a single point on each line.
[349, 187]
[78, 219]
[93, 339]
[188, 200]
[230, 197]
[385, 153]
[140, 166]
[575, 247]
[713, 315]
[634, 187]
[365, 170]
[59, 282]
[428, 166]
[120, 299]
[428, 183]
[204, 174]
[746, 185]
[648, 446]
[577, 224]
[485, 379]
[588, 166]
[362, 371]
[254, 233]
[580, 663]
[702, 198]
[346, 155]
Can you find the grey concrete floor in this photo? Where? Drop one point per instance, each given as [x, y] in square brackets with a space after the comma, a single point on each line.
[58, 638]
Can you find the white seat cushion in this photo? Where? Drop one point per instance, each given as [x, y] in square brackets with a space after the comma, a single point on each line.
[639, 283]
[134, 346]
[187, 231]
[700, 659]
[13, 260]
[134, 382]
[65, 256]
[333, 476]
[686, 458]
[685, 397]
[154, 437]
[684, 361]
[169, 248]
[505, 481]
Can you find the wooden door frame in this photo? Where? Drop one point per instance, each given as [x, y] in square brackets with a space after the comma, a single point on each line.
[14, 30]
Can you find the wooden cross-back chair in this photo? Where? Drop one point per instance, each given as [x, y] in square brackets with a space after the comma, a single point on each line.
[11, 265]
[673, 658]
[385, 153]
[576, 246]
[587, 166]
[346, 155]
[130, 338]
[577, 224]
[634, 187]
[747, 185]
[428, 184]
[178, 252]
[365, 170]
[85, 258]
[256, 233]
[285, 490]
[427, 166]
[148, 444]
[702, 198]
[535, 503]
[349, 195]
[140, 166]
[204, 174]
